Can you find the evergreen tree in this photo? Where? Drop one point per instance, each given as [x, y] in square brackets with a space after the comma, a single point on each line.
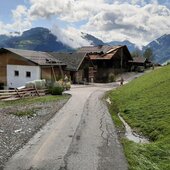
[148, 54]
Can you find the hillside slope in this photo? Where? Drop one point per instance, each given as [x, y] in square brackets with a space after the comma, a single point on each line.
[145, 105]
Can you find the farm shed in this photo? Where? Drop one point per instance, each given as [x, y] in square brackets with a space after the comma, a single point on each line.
[139, 61]
[77, 65]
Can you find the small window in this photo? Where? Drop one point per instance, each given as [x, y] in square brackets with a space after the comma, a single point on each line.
[28, 74]
[16, 73]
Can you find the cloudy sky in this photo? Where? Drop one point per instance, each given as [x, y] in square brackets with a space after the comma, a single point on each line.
[139, 21]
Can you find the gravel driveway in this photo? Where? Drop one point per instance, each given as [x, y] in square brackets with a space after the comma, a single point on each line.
[81, 136]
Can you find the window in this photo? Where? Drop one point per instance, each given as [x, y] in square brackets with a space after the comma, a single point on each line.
[28, 74]
[16, 73]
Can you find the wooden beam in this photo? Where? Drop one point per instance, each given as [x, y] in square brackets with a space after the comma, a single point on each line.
[53, 73]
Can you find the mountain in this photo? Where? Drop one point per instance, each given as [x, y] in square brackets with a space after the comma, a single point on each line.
[93, 40]
[38, 39]
[41, 39]
[160, 48]
[132, 47]
[3, 38]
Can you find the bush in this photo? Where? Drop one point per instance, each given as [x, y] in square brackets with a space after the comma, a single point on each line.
[111, 77]
[56, 88]
[67, 86]
[140, 69]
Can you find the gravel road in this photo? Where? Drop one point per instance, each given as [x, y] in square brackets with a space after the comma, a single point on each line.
[81, 136]
[16, 131]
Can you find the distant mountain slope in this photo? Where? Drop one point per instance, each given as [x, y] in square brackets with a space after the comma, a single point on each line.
[160, 48]
[38, 39]
[93, 40]
[132, 47]
[41, 39]
[3, 38]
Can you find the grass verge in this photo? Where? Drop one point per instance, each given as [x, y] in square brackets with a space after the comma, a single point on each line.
[145, 105]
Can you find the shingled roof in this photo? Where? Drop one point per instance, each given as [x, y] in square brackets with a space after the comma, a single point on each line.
[112, 52]
[95, 49]
[72, 60]
[37, 57]
[138, 60]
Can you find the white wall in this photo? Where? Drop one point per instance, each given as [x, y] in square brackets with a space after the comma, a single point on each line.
[18, 81]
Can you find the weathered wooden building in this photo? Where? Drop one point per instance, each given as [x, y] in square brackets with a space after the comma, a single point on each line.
[107, 60]
[77, 65]
[137, 62]
[20, 66]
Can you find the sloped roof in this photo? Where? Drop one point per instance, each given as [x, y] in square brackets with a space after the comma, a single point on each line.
[95, 49]
[138, 60]
[106, 56]
[37, 57]
[72, 60]
[113, 52]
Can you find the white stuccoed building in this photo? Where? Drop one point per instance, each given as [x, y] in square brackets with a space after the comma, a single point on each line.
[18, 75]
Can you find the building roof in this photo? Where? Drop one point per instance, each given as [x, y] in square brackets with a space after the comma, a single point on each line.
[96, 49]
[37, 57]
[72, 60]
[138, 60]
[112, 52]
[106, 56]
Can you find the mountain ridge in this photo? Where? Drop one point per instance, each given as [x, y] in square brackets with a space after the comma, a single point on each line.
[160, 48]
[42, 39]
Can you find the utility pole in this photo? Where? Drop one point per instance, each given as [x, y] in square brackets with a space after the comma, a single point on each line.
[121, 66]
[121, 59]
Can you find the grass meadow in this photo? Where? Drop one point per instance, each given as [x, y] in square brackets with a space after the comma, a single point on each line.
[145, 105]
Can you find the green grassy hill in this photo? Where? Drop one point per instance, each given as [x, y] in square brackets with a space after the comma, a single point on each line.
[145, 105]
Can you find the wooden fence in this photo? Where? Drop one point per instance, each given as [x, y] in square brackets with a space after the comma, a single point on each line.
[21, 93]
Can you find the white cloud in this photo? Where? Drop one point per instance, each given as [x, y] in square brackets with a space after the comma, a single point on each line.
[70, 36]
[21, 21]
[139, 21]
[137, 24]
[132, 20]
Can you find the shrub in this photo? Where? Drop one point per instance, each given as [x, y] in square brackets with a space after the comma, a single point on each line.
[56, 88]
[67, 86]
[111, 77]
[140, 69]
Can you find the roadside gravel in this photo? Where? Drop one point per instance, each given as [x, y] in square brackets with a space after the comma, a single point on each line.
[16, 131]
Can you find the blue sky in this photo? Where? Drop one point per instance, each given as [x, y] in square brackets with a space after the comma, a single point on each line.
[138, 21]
[7, 6]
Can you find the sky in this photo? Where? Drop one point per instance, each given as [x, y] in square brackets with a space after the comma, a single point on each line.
[139, 21]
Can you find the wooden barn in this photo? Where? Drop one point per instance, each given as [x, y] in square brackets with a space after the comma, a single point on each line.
[137, 62]
[77, 65]
[107, 60]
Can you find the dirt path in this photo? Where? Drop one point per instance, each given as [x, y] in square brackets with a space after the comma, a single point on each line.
[80, 137]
